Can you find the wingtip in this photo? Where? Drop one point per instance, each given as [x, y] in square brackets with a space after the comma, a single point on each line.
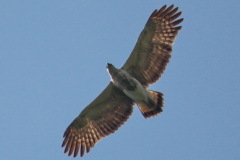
[66, 150]
[64, 142]
[162, 9]
[153, 13]
[177, 22]
[178, 28]
[82, 154]
[171, 6]
[180, 13]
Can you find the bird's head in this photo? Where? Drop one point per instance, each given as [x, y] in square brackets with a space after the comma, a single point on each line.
[109, 65]
[111, 69]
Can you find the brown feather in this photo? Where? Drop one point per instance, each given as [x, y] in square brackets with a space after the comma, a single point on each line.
[172, 12]
[151, 53]
[151, 110]
[163, 14]
[161, 10]
[72, 148]
[175, 16]
[82, 148]
[101, 118]
[76, 149]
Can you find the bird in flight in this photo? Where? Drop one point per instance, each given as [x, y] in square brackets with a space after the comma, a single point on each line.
[128, 85]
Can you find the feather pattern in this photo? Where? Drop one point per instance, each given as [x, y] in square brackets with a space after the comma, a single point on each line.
[99, 119]
[151, 53]
[112, 107]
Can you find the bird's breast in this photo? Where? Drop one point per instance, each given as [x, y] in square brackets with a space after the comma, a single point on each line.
[123, 80]
[130, 86]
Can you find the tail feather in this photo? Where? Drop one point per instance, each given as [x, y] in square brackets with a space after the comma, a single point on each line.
[152, 108]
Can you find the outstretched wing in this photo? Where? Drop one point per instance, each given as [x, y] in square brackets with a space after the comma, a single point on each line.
[99, 119]
[152, 50]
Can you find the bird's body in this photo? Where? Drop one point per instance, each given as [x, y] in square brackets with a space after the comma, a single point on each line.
[132, 88]
[128, 85]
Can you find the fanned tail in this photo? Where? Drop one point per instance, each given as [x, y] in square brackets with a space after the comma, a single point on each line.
[154, 107]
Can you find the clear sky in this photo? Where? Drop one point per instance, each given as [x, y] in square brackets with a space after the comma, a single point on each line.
[53, 56]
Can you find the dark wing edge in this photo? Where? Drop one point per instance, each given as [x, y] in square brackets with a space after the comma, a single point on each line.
[102, 117]
[151, 53]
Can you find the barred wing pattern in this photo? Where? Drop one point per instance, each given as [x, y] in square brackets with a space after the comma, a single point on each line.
[112, 107]
[99, 119]
[152, 51]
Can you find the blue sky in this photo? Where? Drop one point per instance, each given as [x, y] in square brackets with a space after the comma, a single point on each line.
[53, 56]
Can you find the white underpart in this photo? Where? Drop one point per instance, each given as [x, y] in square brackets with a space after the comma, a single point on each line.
[139, 95]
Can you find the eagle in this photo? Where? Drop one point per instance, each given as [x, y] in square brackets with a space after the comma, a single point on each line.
[128, 85]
